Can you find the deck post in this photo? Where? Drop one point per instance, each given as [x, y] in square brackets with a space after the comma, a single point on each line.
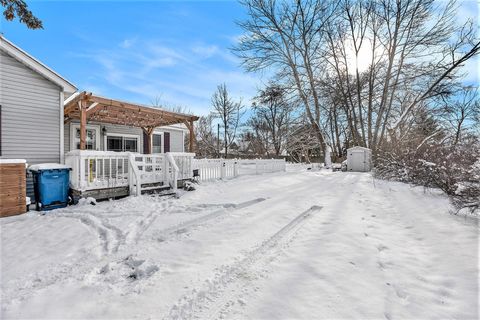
[83, 123]
[191, 146]
[148, 143]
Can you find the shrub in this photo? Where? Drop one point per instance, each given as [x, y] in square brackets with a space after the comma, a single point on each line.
[455, 169]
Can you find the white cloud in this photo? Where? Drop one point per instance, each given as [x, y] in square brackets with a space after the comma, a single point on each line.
[183, 76]
[127, 43]
[205, 51]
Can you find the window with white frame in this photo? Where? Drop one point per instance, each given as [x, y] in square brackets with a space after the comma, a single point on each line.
[122, 143]
[157, 144]
[92, 141]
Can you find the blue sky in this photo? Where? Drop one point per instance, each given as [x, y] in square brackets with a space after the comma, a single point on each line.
[136, 51]
[139, 50]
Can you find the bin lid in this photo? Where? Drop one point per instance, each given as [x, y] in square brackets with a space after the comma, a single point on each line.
[48, 166]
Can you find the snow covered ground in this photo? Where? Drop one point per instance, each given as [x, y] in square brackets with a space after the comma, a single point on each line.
[304, 245]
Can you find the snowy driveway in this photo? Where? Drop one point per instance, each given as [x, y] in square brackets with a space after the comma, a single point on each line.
[288, 245]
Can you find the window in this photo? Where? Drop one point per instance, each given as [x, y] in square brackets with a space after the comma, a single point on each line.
[156, 143]
[130, 144]
[92, 141]
[122, 143]
[114, 143]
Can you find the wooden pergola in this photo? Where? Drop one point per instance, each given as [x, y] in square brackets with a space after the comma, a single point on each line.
[88, 107]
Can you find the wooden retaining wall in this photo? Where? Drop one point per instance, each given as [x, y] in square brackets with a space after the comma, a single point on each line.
[13, 189]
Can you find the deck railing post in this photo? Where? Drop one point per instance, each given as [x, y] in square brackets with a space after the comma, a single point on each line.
[82, 170]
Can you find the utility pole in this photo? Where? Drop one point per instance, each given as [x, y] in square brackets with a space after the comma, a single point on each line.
[218, 139]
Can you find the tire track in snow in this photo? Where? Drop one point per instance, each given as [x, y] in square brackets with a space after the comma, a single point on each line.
[210, 301]
[142, 226]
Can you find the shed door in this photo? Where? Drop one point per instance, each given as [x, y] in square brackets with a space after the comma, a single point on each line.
[358, 161]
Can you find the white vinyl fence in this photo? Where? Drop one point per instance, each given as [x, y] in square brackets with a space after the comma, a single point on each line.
[212, 169]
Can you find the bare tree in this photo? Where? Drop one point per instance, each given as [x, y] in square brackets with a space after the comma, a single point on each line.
[206, 137]
[229, 113]
[302, 144]
[412, 52]
[158, 102]
[257, 135]
[416, 49]
[273, 112]
[18, 8]
[461, 112]
[288, 36]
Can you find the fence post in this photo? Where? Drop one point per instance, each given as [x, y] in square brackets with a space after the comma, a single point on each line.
[235, 168]
[222, 169]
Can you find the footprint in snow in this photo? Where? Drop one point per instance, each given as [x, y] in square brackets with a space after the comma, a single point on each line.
[381, 248]
[400, 292]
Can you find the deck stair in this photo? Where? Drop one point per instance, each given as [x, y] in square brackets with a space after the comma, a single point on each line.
[156, 188]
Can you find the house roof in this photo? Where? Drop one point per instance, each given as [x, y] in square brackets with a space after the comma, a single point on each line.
[20, 55]
[112, 111]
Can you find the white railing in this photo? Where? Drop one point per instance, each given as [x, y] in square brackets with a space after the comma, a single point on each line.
[93, 170]
[184, 161]
[98, 169]
[212, 169]
[172, 171]
[135, 177]
[151, 167]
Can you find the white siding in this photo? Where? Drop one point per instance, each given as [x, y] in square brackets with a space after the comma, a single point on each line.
[30, 113]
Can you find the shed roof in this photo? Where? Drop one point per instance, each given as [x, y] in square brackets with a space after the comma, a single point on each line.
[34, 64]
[359, 148]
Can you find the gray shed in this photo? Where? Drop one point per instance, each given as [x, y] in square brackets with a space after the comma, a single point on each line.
[359, 159]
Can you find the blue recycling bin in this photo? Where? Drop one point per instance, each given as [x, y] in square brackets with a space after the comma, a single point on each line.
[51, 186]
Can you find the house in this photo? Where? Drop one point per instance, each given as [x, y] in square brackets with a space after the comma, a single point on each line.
[31, 107]
[43, 118]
